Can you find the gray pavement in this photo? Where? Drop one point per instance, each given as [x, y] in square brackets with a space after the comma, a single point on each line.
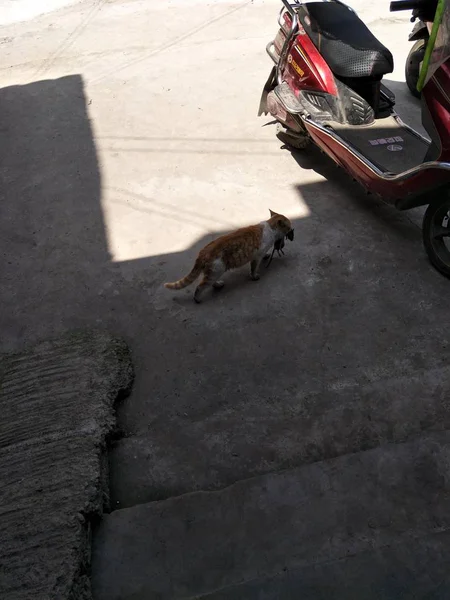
[307, 519]
[129, 139]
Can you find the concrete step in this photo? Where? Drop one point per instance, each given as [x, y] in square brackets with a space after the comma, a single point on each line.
[261, 434]
[402, 571]
[304, 518]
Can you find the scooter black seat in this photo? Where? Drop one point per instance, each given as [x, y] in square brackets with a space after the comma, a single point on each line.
[344, 41]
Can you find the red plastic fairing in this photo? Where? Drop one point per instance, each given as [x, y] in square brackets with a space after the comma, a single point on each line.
[424, 180]
[305, 68]
[436, 93]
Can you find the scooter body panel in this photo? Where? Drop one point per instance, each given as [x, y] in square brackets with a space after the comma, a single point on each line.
[405, 193]
[436, 94]
[304, 69]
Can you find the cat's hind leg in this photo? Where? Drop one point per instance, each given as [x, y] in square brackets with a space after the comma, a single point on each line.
[204, 284]
[211, 278]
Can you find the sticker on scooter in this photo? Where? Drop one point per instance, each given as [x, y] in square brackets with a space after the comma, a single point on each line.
[385, 141]
[292, 62]
[394, 147]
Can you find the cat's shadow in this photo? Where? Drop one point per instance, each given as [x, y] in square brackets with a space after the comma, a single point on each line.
[239, 280]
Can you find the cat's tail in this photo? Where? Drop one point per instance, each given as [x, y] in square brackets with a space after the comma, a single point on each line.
[185, 281]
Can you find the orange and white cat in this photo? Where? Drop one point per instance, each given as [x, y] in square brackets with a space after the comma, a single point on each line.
[233, 250]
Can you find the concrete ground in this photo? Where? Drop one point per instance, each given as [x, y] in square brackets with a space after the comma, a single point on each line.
[129, 139]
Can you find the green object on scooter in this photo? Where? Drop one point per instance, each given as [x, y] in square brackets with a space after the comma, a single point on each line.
[430, 45]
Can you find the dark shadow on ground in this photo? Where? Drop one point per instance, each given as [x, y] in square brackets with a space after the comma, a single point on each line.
[339, 193]
[304, 365]
[52, 235]
[307, 363]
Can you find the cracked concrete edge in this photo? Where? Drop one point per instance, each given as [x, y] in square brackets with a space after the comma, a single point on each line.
[74, 446]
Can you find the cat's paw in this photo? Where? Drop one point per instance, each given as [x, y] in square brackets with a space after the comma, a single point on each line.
[255, 276]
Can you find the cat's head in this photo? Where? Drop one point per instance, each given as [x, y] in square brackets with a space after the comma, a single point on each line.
[281, 224]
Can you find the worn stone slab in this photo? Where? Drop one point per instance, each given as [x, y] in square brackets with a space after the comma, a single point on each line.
[205, 541]
[405, 570]
[256, 437]
[57, 407]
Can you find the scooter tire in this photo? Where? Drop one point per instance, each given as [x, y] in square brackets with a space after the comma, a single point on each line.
[412, 66]
[437, 249]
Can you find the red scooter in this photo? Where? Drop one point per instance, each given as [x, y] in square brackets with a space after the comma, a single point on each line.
[326, 87]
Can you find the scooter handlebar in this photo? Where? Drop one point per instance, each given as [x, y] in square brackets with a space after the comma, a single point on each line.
[397, 5]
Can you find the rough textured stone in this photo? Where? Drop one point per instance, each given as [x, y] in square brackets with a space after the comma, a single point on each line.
[327, 511]
[57, 407]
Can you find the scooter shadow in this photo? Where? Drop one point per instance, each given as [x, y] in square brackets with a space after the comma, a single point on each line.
[342, 189]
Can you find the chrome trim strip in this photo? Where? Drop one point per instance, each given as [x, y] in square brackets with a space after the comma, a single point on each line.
[411, 130]
[287, 41]
[280, 22]
[288, 7]
[270, 49]
[381, 174]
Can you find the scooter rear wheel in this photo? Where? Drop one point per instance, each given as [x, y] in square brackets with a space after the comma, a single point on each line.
[436, 234]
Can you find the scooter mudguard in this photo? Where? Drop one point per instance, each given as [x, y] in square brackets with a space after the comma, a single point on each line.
[268, 87]
[419, 32]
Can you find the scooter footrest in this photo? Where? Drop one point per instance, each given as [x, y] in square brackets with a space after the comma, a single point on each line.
[286, 96]
[308, 104]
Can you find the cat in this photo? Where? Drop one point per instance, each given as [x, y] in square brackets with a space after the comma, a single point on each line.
[233, 250]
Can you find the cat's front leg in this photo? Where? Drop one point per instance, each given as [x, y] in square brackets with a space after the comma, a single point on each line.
[254, 268]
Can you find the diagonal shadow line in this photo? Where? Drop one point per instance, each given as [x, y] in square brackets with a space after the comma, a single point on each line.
[228, 40]
[170, 207]
[69, 40]
[181, 139]
[205, 152]
[164, 47]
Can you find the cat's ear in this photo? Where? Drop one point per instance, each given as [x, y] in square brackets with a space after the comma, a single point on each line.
[272, 214]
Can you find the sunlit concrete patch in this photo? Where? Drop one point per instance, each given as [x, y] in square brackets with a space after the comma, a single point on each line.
[25, 10]
[172, 215]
